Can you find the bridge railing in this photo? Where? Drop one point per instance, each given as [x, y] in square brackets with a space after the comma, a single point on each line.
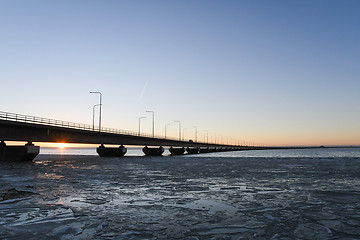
[59, 123]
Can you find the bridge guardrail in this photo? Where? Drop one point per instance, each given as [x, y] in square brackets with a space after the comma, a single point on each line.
[59, 123]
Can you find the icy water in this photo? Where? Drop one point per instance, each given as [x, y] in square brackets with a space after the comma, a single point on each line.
[278, 194]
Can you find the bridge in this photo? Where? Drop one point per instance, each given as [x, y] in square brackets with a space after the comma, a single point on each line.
[18, 127]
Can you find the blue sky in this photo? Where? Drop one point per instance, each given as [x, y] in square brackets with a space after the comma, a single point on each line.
[265, 72]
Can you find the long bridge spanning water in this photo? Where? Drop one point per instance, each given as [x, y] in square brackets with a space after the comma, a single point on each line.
[18, 127]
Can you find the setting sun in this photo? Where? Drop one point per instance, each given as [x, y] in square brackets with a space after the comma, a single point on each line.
[61, 145]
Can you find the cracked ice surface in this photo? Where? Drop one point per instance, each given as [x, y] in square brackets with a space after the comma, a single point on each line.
[88, 197]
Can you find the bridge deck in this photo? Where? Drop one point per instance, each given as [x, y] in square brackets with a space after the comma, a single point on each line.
[17, 127]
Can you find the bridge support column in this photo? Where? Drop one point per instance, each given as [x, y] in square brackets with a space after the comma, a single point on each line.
[214, 149]
[18, 153]
[177, 151]
[204, 150]
[192, 150]
[153, 151]
[111, 151]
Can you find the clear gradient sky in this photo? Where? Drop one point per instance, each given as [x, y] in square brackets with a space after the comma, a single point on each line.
[265, 72]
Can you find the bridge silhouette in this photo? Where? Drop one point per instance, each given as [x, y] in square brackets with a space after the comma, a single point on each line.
[19, 127]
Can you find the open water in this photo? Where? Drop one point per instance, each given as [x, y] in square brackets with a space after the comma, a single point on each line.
[272, 194]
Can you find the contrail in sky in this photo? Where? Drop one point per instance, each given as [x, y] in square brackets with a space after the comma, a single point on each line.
[144, 88]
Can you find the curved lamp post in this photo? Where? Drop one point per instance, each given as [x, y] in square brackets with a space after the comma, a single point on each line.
[207, 136]
[100, 109]
[153, 122]
[93, 127]
[195, 133]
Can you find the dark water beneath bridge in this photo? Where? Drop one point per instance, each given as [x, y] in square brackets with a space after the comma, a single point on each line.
[278, 194]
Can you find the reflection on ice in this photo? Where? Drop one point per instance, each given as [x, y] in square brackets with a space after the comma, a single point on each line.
[49, 176]
[38, 216]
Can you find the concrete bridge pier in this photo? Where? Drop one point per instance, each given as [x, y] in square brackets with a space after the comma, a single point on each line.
[111, 151]
[177, 150]
[192, 150]
[204, 150]
[153, 151]
[18, 153]
[213, 149]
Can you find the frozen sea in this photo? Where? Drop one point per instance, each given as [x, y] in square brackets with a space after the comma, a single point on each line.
[270, 194]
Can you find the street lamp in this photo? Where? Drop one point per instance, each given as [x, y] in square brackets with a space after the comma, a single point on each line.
[195, 133]
[94, 115]
[165, 128]
[139, 123]
[153, 122]
[179, 129]
[100, 109]
[207, 136]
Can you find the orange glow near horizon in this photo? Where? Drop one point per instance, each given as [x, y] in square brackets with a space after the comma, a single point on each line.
[61, 145]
